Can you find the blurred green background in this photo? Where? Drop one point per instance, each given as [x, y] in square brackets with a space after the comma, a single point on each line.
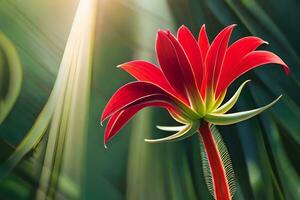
[264, 150]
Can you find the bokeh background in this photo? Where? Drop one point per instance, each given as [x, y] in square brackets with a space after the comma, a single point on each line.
[264, 150]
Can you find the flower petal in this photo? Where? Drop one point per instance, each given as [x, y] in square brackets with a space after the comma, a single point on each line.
[234, 54]
[119, 119]
[252, 60]
[115, 123]
[216, 54]
[187, 74]
[129, 94]
[184, 64]
[170, 128]
[185, 132]
[145, 71]
[204, 45]
[203, 41]
[230, 103]
[168, 62]
[192, 50]
[232, 118]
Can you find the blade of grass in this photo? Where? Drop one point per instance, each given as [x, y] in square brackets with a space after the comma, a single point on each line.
[10, 76]
[59, 178]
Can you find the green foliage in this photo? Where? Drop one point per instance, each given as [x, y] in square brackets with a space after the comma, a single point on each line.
[10, 76]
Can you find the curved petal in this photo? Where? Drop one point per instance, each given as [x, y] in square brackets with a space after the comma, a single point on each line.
[120, 119]
[204, 45]
[235, 53]
[184, 64]
[115, 123]
[170, 128]
[216, 54]
[187, 74]
[231, 102]
[252, 60]
[232, 118]
[203, 41]
[129, 94]
[192, 50]
[186, 131]
[146, 71]
[168, 61]
[179, 111]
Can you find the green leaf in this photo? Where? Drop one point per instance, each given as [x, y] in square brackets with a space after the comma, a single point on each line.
[288, 177]
[64, 116]
[183, 133]
[232, 118]
[231, 102]
[10, 76]
[30, 141]
[170, 128]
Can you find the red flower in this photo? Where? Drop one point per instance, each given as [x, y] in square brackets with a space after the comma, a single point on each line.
[191, 82]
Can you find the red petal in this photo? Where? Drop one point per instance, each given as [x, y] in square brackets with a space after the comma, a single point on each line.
[128, 94]
[115, 123]
[184, 64]
[168, 61]
[119, 119]
[186, 70]
[203, 41]
[191, 48]
[235, 53]
[216, 54]
[145, 71]
[204, 45]
[252, 60]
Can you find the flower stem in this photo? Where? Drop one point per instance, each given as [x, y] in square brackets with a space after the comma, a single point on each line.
[219, 180]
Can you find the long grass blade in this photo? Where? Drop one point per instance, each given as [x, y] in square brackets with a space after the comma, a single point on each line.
[10, 76]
